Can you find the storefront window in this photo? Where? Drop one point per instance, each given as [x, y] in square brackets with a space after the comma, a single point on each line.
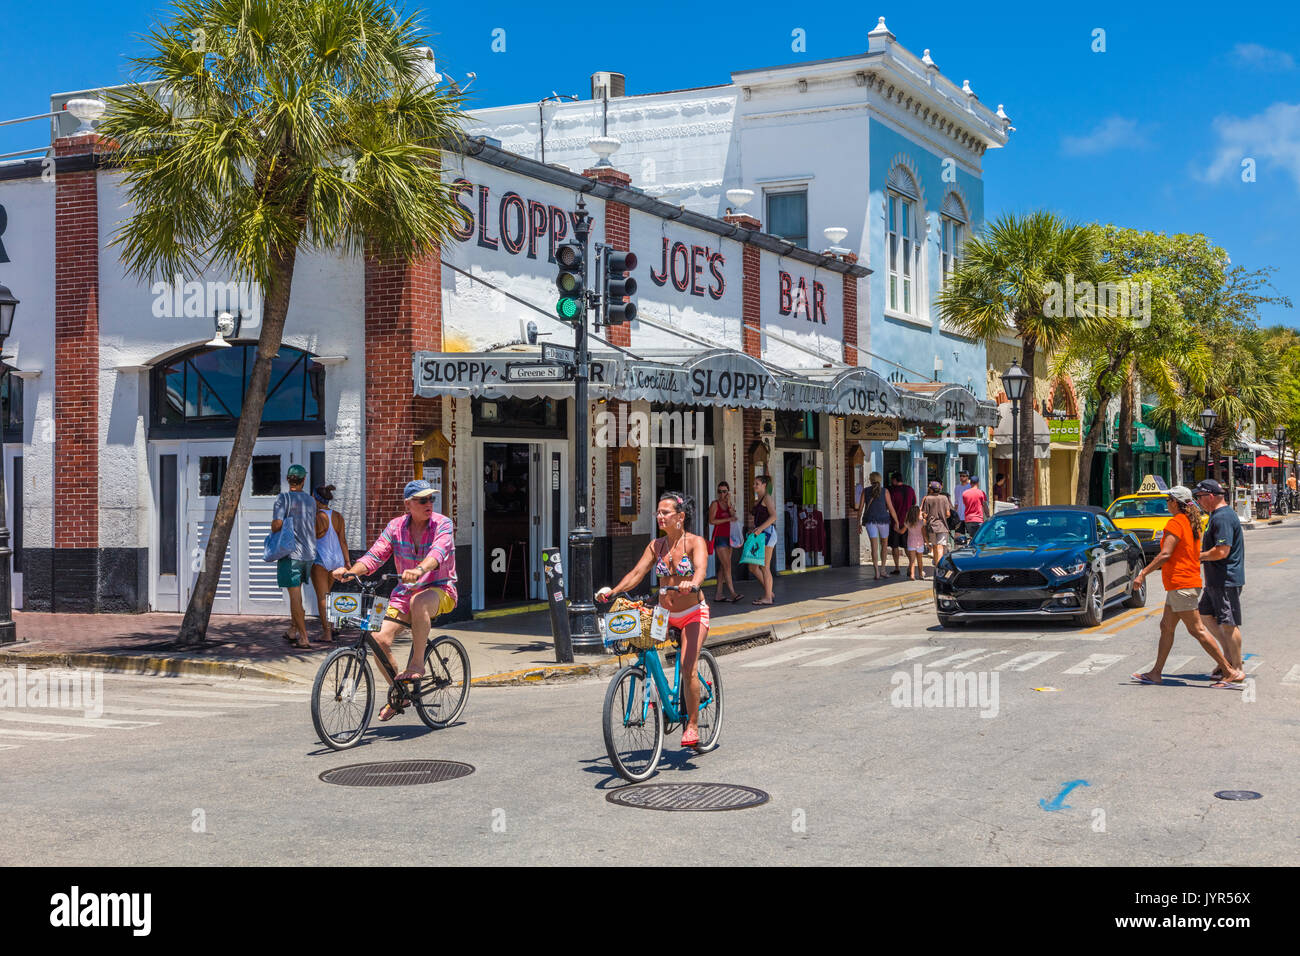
[681, 424]
[203, 392]
[798, 427]
[526, 417]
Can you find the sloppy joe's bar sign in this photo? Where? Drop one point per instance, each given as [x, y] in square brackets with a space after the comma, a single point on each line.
[720, 377]
[475, 375]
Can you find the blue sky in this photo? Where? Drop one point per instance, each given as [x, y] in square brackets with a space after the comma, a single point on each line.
[1150, 133]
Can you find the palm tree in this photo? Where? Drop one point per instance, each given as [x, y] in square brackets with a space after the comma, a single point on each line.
[1017, 276]
[269, 126]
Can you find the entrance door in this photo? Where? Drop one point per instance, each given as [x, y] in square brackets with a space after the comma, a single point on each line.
[509, 490]
[551, 506]
[247, 584]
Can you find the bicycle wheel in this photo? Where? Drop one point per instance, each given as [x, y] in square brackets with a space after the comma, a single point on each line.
[710, 701]
[633, 727]
[342, 699]
[445, 687]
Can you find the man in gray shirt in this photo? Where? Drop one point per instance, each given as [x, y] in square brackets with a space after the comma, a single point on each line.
[299, 509]
[1223, 562]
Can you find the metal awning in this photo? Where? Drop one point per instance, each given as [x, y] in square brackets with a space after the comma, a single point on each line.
[1003, 432]
[485, 374]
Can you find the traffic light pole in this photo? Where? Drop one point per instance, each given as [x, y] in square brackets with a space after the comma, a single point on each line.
[582, 612]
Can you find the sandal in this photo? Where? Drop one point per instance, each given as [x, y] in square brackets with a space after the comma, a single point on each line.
[391, 711]
[410, 675]
[690, 738]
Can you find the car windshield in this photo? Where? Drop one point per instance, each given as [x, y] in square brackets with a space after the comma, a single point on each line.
[1032, 529]
[1139, 508]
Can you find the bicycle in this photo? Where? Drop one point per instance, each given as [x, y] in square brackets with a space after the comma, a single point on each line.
[639, 701]
[342, 697]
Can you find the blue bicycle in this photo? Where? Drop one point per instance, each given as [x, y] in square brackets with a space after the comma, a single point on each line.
[639, 701]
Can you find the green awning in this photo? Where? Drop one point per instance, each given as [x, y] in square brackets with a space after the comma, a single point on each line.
[1187, 438]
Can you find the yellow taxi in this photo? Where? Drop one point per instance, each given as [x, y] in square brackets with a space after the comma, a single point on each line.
[1145, 514]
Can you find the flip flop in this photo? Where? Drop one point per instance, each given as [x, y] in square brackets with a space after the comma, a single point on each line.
[392, 712]
[688, 741]
[1143, 679]
[1226, 685]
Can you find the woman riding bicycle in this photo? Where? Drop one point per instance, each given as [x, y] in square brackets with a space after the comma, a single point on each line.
[423, 546]
[681, 559]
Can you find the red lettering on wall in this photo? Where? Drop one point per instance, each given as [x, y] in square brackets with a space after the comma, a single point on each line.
[783, 304]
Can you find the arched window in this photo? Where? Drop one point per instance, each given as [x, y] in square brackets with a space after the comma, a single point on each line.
[953, 221]
[902, 251]
[202, 393]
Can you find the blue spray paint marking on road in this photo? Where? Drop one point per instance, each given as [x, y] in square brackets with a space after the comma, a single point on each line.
[1246, 657]
[1058, 801]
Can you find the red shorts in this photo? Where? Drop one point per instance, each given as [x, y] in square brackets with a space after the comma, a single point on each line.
[699, 613]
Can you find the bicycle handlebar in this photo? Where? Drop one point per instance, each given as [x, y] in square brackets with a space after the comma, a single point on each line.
[643, 597]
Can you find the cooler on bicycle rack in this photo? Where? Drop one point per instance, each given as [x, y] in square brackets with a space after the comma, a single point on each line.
[363, 611]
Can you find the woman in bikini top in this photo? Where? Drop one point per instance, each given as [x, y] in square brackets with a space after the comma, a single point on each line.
[679, 559]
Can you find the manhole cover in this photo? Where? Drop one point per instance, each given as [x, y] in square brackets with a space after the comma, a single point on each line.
[1238, 795]
[688, 796]
[396, 773]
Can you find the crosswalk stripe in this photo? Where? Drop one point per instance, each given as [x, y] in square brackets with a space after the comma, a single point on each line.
[39, 734]
[1174, 664]
[841, 657]
[1293, 675]
[1026, 661]
[1252, 665]
[975, 660]
[96, 722]
[159, 712]
[1094, 663]
[785, 658]
[903, 656]
[215, 683]
[960, 656]
[169, 700]
[10, 746]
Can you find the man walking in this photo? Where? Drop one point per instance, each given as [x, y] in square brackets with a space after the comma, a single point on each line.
[1223, 558]
[903, 498]
[963, 486]
[976, 506]
[291, 572]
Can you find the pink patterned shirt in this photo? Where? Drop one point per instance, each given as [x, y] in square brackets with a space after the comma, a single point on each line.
[439, 538]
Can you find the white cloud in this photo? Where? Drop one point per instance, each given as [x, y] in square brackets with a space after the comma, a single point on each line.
[1270, 138]
[1114, 132]
[1253, 56]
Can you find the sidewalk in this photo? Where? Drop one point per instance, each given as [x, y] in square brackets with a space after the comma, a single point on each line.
[502, 650]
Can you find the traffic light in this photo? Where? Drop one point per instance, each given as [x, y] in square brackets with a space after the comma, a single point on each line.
[619, 286]
[569, 282]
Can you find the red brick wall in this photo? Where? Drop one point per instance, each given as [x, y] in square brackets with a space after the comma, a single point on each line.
[403, 316]
[850, 320]
[76, 343]
[616, 235]
[751, 315]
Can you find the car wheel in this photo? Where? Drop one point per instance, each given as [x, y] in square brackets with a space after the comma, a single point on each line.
[1137, 596]
[1094, 602]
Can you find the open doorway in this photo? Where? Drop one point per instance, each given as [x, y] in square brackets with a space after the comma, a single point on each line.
[507, 540]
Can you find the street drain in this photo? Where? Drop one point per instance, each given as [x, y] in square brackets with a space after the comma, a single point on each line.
[688, 796]
[1238, 795]
[396, 773]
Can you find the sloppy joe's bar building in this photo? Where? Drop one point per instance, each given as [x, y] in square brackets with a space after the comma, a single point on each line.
[744, 359]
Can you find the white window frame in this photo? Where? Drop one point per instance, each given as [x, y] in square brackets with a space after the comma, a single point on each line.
[784, 189]
[903, 278]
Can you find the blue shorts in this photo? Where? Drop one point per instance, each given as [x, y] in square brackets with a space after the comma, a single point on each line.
[769, 535]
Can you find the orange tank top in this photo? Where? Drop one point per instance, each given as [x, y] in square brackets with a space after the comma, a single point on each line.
[1183, 569]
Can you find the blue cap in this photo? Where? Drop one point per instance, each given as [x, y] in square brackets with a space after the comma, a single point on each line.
[417, 489]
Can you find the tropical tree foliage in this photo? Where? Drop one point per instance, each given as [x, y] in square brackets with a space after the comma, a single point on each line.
[265, 127]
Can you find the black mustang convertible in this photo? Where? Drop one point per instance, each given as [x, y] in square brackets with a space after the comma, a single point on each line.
[1052, 561]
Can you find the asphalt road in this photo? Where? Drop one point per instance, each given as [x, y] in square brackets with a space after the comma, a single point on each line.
[185, 771]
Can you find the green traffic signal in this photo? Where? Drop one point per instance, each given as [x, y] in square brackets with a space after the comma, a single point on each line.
[568, 309]
[569, 281]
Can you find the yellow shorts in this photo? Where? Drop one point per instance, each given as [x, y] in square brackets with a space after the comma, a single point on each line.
[399, 608]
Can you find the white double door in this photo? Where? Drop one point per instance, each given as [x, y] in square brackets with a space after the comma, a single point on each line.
[247, 584]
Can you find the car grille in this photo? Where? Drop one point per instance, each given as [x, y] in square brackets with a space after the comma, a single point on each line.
[1000, 605]
[969, 580]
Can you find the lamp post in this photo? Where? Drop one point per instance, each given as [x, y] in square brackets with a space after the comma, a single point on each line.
[582, 612]
[1280, 434]
[8, 304]
[1208, 417]
[1014, 382]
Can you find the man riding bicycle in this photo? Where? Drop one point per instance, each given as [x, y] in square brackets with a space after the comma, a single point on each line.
[423, 546]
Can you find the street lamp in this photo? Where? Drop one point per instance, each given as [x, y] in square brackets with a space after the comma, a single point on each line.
[1014, 382]
[1280, 434]
[1208, 417]
[8, 305]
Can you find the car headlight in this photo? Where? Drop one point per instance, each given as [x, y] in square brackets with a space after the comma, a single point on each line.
[943, 574]
[1069, 569]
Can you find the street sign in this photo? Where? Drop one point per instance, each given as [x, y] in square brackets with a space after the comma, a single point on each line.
[536, 372]
[559, 353]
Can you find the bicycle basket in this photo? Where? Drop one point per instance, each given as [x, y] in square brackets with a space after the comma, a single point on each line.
[619, 625]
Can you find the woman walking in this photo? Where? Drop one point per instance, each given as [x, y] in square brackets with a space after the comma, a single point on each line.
[721, 515]
[764, 524]
[331, 553]
[876, 513]
[1179, 562]
[936, 510]
[680, 559]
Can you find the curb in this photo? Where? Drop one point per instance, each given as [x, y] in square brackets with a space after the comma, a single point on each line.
[723, 639]
[153, 666]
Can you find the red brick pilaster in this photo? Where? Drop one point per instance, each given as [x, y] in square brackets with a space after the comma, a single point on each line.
[850, 314]
[616, 235]
[403, 316]
[751, 337]
[76, 340]
[614, 527]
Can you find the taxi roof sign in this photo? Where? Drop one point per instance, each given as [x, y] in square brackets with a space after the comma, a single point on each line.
[1152, 483]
